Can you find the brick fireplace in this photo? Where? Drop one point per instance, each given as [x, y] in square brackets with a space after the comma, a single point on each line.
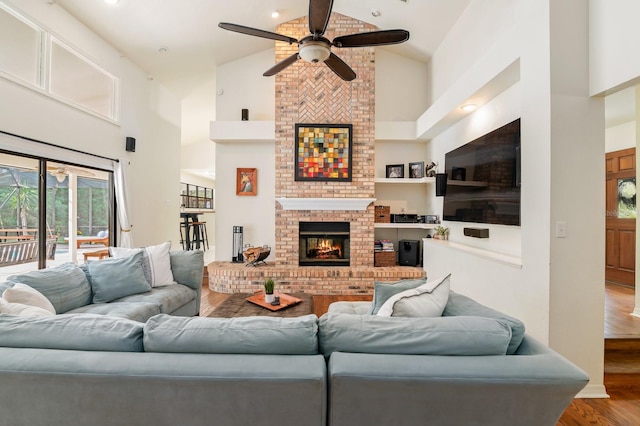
[312, 94]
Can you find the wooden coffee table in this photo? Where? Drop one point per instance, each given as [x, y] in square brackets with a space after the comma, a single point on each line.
[237, 305]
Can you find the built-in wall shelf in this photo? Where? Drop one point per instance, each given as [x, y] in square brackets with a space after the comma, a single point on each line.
[406, 225]
[406, 180]
[491, 255]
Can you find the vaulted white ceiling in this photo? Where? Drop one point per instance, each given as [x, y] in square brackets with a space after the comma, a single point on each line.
[188, 29]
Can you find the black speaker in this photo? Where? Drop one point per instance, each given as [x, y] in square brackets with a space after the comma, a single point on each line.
[408, 252]
[131, 144]
[476, 232]
[245, 114]
[441, 184]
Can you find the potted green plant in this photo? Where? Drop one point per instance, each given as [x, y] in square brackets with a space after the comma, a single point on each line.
[441, 233]
[269, 285]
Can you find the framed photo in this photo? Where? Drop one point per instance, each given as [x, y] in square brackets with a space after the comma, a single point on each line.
[458, 173]
[323, 152]
[395, 170]
[416, 170]
[246, 181]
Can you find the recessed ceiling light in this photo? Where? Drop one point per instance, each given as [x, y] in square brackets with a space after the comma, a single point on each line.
[376, 13]
[468, 107]
[111, 1]
[163, 50]
[275, 14]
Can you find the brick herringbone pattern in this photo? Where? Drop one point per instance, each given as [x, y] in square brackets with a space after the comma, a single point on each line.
[324, 97]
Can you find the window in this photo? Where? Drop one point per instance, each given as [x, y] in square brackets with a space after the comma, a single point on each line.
[196, 197]
[80, 81]
[70, 77]
[20, 214]
[19, 47]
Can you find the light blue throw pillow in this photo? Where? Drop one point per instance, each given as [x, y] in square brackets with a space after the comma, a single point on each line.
[468, 336]
[72, 331]
[383, 291]
[112, 279]
[458, 305]
[65, 286]
[242, 335]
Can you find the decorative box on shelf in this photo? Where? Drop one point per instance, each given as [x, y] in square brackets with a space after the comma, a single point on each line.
[383, 214]
[384, 258]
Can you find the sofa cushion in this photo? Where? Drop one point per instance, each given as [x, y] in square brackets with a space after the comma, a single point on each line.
[155, 262]
[65, 286]
[242, 335]
[167, 298]
[187, 267]
[112, 279]
[412, 336]
[22, 310]
[344, 307]
[463, 305]
[140, 311]
[383, 291]
[427, 300]
[22, 293]
[76, 332]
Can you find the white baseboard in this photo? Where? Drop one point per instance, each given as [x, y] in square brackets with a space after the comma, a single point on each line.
[636, 312]
[593, 391]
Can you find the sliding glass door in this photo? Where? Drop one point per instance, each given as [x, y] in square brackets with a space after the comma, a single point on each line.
[52, 220]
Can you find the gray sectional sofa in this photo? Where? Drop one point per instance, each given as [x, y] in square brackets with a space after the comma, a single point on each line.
[472, 366]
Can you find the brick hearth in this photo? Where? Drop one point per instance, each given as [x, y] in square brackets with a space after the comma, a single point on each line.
[313, 94]
[227, 277]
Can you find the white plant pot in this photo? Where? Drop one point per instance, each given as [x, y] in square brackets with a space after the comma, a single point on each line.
[269, 298]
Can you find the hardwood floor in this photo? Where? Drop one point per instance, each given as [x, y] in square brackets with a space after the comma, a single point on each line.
[622, 360]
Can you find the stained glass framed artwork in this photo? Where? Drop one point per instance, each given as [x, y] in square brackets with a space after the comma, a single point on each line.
[323, 152]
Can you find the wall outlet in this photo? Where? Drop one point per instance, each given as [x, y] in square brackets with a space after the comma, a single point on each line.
[561, 229]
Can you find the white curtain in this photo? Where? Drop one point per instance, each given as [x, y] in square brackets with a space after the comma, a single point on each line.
[125, 237]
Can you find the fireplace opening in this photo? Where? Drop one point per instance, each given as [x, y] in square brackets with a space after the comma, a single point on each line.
[324, 244]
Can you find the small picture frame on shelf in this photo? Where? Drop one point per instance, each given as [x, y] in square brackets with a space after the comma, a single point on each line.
[458, 173]
[395, 171]
[416, 170]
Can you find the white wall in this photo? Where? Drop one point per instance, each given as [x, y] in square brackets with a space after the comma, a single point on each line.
[559, 290]
[255, 213]
[619, 137]
[614, 41]
[402, 89]
[148, 113]
[243, 86]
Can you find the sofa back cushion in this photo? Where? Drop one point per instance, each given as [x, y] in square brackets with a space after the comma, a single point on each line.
[244, 335]
[187, 267]
[412, 336]
[65, 286]
[72, 331]
[463, 305]
[114, 278]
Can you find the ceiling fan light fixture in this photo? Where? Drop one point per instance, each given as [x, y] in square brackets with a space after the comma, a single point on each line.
[275, 14]
[315, 51]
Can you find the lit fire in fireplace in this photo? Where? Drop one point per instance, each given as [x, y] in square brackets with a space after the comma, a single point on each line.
[326, 249]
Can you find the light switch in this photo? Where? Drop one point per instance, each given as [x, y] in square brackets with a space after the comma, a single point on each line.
[561, 229]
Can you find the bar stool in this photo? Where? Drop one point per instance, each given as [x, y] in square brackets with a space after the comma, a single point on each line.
[184, 235]
[200, 235]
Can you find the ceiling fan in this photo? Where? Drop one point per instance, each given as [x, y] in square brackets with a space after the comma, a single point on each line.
[60, 172]
[316, 48]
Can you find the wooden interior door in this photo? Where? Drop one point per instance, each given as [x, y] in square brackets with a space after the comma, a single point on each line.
[621, 217]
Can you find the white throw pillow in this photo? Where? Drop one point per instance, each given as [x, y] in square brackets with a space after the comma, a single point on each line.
[427, 300]
[23, 310]
[156, 262]
[26, 295]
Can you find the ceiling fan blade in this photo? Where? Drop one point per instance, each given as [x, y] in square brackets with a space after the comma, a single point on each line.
[256, 32]
[340, 67]
[373, 38]
[281, 65]
[319, 13]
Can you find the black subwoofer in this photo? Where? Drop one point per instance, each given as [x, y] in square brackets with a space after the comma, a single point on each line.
[409, 252]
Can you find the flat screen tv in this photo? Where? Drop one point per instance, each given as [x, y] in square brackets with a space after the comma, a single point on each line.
[483, 179]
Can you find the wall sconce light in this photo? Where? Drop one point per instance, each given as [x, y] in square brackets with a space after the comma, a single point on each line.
[441, 184]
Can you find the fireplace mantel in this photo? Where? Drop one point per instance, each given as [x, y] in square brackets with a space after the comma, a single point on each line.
[326, 204]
